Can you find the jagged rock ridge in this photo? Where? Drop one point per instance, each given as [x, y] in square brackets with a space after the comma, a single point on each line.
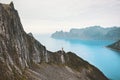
[22, 57]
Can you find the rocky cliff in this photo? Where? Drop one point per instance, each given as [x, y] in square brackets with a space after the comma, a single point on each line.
[115, 46]
[22, 57]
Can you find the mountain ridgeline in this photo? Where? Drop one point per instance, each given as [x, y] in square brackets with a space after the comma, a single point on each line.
[22, 57]
[90, 33]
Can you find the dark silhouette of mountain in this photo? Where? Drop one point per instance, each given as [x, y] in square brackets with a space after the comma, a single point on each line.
[22, 57]
[115, 46]
[90, 33]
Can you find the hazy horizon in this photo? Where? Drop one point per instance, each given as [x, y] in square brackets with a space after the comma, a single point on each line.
[48, 16]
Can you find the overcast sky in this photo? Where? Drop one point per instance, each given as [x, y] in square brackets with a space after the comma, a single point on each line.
[48, 16]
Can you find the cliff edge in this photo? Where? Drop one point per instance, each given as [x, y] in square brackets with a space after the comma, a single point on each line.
[22, 57]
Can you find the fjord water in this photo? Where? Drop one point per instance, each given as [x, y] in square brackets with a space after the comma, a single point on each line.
[94, 51]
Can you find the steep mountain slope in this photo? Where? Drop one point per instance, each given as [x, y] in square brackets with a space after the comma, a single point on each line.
[90, 33]
[23, 58]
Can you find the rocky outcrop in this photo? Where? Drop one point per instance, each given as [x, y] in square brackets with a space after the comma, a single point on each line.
[115, 46]
[90, 33]
[22, 57]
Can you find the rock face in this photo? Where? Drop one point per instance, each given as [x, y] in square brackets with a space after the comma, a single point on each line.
[90, 33]
[115, 46]
[22, 57]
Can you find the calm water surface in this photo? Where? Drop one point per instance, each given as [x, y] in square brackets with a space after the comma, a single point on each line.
[95, 52]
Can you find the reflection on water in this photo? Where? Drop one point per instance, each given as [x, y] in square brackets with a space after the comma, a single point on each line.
[95, 52]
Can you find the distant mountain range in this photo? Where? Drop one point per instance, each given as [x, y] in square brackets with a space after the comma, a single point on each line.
[90, 33]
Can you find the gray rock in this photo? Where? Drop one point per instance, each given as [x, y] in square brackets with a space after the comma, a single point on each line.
[22, 57]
